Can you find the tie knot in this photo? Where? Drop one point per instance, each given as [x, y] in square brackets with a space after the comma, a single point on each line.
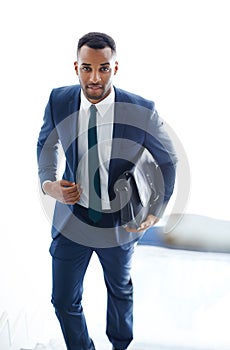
[93, 109]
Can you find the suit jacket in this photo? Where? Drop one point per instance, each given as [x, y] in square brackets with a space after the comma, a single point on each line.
[136, 125]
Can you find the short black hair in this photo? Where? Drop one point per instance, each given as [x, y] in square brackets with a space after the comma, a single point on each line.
[97, 40]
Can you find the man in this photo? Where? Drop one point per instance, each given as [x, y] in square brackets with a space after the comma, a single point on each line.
[82, 224]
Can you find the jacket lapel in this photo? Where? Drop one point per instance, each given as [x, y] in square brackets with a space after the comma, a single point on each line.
[74, 106]
[120, 115]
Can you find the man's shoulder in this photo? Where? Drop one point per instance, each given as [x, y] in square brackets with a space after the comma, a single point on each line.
[130, 97]
[66, 91]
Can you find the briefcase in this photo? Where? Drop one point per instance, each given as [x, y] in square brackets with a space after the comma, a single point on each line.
[139, 190]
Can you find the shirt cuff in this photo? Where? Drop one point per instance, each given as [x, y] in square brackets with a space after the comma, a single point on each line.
[44, 182]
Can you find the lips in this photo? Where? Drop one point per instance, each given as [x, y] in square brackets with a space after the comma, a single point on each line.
[94, 87]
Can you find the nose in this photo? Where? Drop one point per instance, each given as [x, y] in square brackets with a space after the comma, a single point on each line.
[95, 77]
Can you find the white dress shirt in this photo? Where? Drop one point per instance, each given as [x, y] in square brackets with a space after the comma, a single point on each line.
[105, 117]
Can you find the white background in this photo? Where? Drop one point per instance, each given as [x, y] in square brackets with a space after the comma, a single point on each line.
[173, 52]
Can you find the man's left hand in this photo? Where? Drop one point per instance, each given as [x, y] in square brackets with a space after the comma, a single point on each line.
[150, 221]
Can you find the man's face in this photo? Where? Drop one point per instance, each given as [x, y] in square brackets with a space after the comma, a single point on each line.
[95, 70]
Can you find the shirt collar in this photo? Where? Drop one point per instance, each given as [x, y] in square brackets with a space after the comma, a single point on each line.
[102, 106]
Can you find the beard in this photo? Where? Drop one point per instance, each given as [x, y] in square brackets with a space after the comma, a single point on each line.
[96, 95]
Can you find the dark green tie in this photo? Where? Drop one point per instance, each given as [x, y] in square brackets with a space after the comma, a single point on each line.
[94, 211]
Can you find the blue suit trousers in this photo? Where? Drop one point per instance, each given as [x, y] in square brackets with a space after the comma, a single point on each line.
[69, 264]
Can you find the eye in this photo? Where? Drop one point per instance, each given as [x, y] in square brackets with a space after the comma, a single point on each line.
[105, 69]
[85, 69]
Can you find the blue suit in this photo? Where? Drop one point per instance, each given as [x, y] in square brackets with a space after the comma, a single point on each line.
[136, 125]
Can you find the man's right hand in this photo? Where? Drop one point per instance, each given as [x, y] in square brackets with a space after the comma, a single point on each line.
[63, 191]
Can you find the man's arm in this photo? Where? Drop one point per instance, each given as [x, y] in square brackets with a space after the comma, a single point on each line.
[47, 147]
[159, 143]
[47, 157]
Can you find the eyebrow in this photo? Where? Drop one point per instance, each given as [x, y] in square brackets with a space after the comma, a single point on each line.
[89, 64]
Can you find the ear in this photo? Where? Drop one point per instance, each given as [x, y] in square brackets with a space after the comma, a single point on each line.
[76, 67]
[115, 68]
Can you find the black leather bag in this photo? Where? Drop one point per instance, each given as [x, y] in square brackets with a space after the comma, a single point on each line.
[140, 191]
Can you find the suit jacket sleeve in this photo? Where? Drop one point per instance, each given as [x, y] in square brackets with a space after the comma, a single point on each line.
[159, 143]
[47, 147]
